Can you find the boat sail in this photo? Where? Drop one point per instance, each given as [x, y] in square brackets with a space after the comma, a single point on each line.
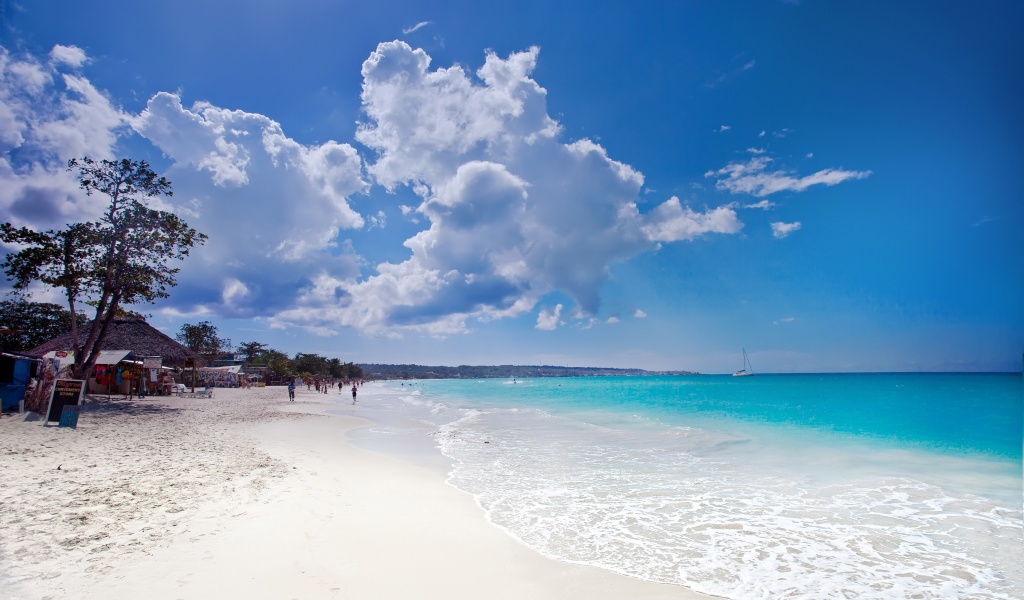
[747, 370]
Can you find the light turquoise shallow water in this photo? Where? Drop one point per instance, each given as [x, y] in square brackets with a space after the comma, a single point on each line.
[790, 486]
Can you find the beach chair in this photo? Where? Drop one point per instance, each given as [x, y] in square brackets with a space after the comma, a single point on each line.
[203, 393]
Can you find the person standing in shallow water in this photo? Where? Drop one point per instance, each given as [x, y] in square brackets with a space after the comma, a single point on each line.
[291, 390]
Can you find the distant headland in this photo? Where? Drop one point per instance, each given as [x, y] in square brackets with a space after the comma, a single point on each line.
[378, 371]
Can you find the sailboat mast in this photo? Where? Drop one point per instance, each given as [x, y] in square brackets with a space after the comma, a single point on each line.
[747, 369]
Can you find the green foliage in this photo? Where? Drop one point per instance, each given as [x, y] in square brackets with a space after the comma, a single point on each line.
[137, 241]
[123, 313]
[278, 364]
[59, 259]
[123, 258]
[314, 365]
[203, 340]
[251, 351]
[37, 322]
[351, 371]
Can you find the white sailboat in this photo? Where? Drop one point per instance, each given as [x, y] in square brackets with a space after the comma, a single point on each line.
[747, 370]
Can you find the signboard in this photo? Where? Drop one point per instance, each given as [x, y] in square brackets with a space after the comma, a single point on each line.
[152, 362]
[69, 416]
[66, 392]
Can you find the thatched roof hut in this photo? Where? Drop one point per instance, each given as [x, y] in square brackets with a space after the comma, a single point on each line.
[133, 334]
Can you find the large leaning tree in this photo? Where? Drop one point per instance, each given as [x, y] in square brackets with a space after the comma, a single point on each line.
[124, 258]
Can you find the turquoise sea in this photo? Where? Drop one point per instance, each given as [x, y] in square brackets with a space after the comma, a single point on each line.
[773, 486]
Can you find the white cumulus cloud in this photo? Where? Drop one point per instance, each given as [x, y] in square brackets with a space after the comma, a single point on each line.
[49, 113]
[672, 222]
[272, 208]
[71, 56]
[514, 213]
[509, 212]
[549, 320]
[763, 205]
[781, 230]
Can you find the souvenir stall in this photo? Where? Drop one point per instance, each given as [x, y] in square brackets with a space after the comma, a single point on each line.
[123, 372]
[55, 366]
[138, 378]
[110, 374]
[121, 379]
[117, 374]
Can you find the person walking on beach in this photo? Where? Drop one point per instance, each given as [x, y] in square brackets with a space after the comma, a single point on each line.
[291, 390]
[353, 393]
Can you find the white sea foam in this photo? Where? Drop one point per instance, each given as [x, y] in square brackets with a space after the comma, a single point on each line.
[415, 399]
[685, 506]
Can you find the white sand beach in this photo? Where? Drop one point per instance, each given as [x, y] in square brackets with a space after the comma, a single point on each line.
[250, 496]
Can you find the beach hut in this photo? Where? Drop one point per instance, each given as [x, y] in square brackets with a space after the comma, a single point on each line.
[133, 334]
[129, 338]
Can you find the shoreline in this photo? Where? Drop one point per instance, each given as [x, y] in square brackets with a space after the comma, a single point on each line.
[250, 495]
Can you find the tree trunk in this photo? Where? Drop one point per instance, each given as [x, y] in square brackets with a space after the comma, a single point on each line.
[74, 328]
[90, 352]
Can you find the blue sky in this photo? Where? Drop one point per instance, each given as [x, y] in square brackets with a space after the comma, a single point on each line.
[834, 186]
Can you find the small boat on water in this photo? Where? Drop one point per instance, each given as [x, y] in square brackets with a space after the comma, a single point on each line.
[747, 370]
